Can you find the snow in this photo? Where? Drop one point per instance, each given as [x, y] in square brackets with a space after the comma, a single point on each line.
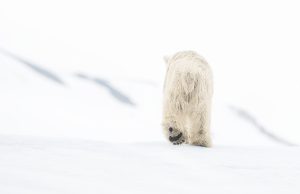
[82, 137]
[32, 104]
[81, 90]
[75, 166]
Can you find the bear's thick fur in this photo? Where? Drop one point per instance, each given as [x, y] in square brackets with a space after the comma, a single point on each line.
[188, 90]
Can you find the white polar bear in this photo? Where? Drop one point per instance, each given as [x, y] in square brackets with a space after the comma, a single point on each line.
[188, 90]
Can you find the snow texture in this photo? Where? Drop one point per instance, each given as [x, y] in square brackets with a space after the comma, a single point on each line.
[81, 137]
[75, 166]
[81, 97]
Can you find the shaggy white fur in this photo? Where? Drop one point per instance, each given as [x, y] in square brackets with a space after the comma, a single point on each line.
[188, 90]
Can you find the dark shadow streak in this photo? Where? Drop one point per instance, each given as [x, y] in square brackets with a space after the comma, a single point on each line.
[34, 67]
[251, 119]
[114, 92]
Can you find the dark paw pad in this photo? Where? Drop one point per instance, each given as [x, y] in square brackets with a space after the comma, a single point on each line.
[175, 136]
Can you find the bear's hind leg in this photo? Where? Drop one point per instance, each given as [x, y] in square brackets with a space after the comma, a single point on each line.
[200, 138]
[199, 133]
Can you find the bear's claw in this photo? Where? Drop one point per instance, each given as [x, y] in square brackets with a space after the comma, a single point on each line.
[179, 142]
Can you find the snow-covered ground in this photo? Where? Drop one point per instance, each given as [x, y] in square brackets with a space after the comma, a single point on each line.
[81, 89]
[88, 134]
[74, 166]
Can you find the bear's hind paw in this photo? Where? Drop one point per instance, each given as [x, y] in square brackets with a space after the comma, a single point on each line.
[175, 136]
[178, 142]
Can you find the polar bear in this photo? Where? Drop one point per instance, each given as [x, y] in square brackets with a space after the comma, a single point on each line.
[188, 91]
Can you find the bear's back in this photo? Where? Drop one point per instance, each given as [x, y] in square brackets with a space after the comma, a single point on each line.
[188, 79]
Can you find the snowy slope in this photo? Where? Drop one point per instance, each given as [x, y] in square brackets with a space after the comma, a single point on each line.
[32, 166]
[106, 108]
[92, 134]
[81, 85]
[254, 57]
